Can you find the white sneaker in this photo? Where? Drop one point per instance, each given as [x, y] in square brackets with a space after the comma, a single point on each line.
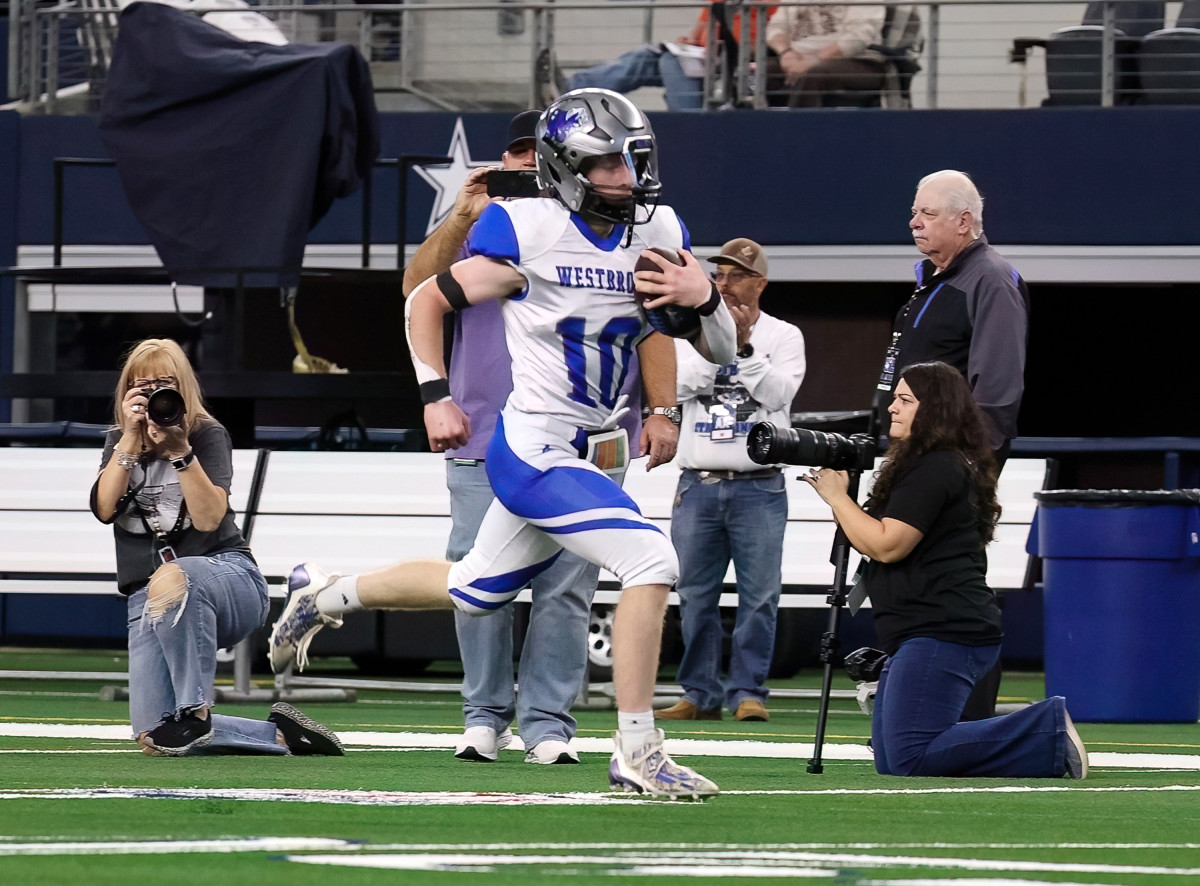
[300, 619]
[648, 770]
[551, 751]
[1077, 755]
[481, 744]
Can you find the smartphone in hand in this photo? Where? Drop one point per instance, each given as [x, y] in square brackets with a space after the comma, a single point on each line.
[512, 183]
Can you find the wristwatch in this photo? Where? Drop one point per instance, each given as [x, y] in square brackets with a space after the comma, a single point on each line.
[183, 462]
[747, 350]
[673, 413]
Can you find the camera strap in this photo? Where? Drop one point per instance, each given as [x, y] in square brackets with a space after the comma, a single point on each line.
[858, 587]
[165, 552]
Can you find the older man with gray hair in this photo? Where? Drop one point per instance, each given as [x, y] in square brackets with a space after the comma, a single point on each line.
[971, 310]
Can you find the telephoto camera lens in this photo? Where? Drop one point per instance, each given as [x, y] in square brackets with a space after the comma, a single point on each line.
[165, 407]
[768, 444]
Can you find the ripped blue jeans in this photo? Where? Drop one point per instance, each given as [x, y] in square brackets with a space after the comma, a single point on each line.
[173, 654]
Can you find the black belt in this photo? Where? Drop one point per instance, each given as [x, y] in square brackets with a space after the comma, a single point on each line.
[760, 474]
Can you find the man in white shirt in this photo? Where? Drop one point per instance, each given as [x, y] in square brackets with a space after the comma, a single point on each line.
[727, 507]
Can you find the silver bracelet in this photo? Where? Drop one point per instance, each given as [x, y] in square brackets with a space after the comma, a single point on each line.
[126, 460]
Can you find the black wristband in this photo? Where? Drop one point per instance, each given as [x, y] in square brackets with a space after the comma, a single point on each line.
[434, 391]
[709, 306]
[184, 461]
[452, 291]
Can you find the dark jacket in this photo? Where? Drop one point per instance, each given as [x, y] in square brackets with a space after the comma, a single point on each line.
[975, 316]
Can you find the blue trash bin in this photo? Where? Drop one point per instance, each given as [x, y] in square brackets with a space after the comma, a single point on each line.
[1121, 593]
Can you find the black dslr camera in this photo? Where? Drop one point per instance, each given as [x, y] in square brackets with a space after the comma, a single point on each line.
[865, 665]
[164, 405]
[769, 445]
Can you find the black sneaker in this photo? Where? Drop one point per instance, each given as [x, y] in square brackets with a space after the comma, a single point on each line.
[303, 734]
[179, 735]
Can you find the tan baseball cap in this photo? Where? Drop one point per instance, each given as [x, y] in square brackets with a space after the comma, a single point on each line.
[745, 254]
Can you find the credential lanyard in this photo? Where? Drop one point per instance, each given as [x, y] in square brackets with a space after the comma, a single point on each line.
[887, 376]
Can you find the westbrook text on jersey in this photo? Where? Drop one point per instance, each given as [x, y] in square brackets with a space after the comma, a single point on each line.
[595, 278]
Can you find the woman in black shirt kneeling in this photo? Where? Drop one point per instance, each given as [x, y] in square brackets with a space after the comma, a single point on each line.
[925, 528]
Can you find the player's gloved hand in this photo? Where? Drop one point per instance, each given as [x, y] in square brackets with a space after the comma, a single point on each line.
[619, 411]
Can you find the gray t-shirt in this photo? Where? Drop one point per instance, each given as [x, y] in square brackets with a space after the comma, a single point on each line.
[153, 514]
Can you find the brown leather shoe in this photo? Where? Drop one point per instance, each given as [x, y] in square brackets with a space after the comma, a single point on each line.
[685, 710]
[752, 709]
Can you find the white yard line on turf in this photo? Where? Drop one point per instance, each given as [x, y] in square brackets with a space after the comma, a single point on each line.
[683, 747]
[157, 847]
[348, 797]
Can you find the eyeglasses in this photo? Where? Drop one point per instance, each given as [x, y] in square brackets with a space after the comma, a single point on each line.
[162, 380]
[731, 276]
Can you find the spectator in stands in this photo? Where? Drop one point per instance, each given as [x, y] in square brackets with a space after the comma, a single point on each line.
[727, 506]
[192, 583]
[925, 530]
[656, 65]
[824, 49]
[971, 310]
[553, 664]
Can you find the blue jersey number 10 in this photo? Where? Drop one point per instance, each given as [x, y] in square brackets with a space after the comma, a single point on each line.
[614, 345]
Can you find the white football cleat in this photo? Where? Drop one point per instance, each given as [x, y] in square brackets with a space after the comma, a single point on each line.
[300, 619]
[649, 770]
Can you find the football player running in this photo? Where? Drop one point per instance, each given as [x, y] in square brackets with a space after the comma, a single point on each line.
[564, 267]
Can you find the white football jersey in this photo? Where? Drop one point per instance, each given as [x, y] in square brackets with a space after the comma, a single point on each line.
[573, 329]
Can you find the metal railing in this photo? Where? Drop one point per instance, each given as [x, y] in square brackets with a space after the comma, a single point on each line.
[511, 54]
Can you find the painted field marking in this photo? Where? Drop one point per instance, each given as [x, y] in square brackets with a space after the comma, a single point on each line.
[163, 847]
[815, 860]
[741, 863]
[329, 796]
[683, 747]
[347, 797]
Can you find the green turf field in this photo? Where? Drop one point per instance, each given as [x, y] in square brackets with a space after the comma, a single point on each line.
[78, 803]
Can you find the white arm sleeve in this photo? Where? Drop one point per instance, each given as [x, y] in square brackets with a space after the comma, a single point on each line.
[424, 372]
[718, 333]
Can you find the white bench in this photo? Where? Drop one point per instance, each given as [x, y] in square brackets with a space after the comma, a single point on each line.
[49, 540]
[353, 511]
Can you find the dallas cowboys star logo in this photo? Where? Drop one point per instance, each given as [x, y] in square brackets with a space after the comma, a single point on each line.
[447, 181]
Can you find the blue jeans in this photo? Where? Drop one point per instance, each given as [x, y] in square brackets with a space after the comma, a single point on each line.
[645, 66]
[916, 728]
[554, 658]
[710, 524]
[172, 661]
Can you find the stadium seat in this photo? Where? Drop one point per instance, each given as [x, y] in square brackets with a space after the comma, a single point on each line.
[1074, 64]
[1169, 63]
[1169, 60]
[1074, 55]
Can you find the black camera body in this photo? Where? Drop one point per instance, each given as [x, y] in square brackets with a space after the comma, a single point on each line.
[164, 405]
[768, 445]
[865, 665]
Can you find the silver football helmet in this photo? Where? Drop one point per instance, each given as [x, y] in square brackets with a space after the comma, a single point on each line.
[588, 123]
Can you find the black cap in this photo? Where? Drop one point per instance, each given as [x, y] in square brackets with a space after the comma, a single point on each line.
[521, 127]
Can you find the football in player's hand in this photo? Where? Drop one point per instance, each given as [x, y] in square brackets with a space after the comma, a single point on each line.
[677, 321]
